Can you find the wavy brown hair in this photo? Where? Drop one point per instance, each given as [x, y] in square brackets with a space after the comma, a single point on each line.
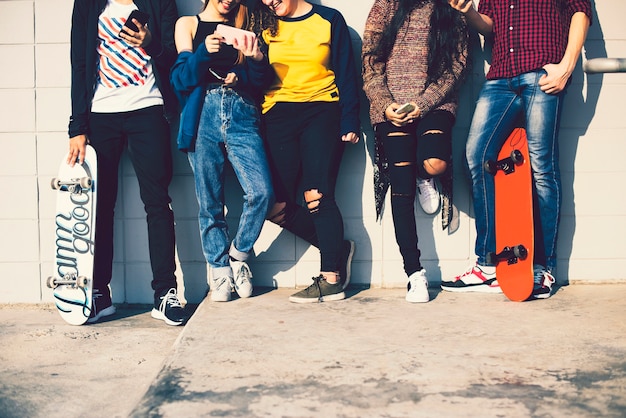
[447, 37]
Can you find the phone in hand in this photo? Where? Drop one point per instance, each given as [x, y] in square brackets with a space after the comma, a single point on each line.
[141, 17]
[405, 108]
[230, 33]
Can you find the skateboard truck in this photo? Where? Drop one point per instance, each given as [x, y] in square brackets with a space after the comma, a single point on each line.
[507, 165]
[74, 186]
[69, 279]
[510, 254]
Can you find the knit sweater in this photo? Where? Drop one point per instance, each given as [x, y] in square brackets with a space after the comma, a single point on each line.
[403, 76]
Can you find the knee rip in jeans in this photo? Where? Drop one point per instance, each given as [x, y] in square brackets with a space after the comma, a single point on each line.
[434, 166]
[312, 198]
[392, 134]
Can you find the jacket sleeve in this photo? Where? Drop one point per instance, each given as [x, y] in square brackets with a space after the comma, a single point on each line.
[346, 76]
[374, 68]
[79, 119]
[189, 70]
[162, 49]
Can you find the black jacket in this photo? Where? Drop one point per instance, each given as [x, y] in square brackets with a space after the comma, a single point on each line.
[84, 56]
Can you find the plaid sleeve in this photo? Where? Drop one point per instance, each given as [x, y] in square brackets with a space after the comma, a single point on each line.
[575, 6]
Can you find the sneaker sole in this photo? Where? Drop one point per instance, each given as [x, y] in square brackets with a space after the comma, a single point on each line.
[346, 281]
[156, 314]
[220, 298]
[327, 298]
[410, 300]
[477, 288]
[105, 312]
[417, 300]
[540, 296]
[244, 295]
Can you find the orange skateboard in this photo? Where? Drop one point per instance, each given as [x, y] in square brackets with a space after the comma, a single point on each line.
[514, 217]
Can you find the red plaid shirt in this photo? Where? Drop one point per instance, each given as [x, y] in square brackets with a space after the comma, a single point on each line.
[529, 34]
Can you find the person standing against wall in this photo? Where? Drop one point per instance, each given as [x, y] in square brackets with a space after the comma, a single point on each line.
[309, 112]
[415, 52]
[218, 84]
[120, 99]
[536, 45]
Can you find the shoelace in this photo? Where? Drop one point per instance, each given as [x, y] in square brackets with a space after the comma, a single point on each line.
[427, 188]
[221, 283]
[417, 280]
[171, 299]
[243, 273]
[316, 282]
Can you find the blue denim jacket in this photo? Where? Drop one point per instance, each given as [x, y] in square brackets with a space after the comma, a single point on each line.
[188, 78]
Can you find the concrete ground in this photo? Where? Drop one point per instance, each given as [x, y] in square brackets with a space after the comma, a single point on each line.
[371, 355]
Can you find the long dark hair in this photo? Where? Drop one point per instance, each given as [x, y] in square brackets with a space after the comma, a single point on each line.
[447, 37]
[263, 19]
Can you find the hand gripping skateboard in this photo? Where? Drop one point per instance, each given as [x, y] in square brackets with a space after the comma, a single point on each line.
[513, 217]
[75, 229]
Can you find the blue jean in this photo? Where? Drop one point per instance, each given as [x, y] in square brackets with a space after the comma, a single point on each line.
[500, 103]
[229, 128]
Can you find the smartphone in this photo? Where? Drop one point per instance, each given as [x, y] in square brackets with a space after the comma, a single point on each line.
[405, 108]
[142, 17]
[230, 33]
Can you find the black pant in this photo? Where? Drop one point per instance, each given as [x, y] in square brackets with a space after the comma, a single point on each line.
[406, 149]
[304, 150]
[145, 134]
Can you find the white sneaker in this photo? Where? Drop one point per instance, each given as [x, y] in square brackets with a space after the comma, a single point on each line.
[417, 288]
[221, 289]
[242, 280]
[428, 195]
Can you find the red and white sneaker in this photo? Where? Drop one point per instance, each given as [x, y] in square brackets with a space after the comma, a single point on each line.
[476, 278]
[544, 280]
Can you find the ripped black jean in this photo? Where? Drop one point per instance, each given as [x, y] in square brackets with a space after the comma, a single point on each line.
[406, 149]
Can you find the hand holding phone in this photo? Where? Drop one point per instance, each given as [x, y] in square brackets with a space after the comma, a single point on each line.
[230, 34]
[138, 15]
[405, 108]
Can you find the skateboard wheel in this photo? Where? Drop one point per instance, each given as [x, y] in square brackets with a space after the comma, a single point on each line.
[520, 251]
[55, 184]
[82, 281]
[517, 157]
[85, 182]
[491, 167]
[51, 282]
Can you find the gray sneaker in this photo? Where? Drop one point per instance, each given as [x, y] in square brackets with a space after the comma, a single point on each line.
[243, 278]
[319, 291]
[221, 289]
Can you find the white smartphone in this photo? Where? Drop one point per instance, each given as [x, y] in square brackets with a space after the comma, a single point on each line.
[230, 33]
[405, 108]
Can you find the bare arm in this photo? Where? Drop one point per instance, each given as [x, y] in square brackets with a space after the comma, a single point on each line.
[557, 74]
[482, 23]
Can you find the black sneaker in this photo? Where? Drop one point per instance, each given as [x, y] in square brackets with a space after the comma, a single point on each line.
[544, 280]
[102, 306]
[319, 291]
[347, 251]
[168, 308]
